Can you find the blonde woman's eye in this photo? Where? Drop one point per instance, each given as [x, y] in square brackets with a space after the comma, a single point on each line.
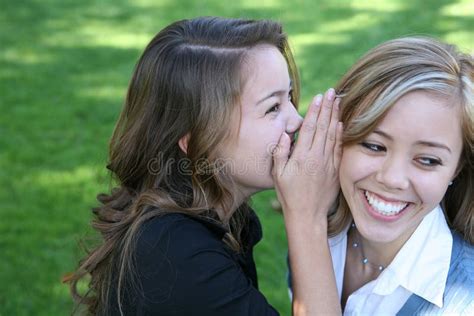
[429, 162]
[373, 147]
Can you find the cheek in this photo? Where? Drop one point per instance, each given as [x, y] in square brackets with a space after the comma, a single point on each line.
[430, 187]
[277, 130]
[276, 125]
[264, 134]
[355, 166]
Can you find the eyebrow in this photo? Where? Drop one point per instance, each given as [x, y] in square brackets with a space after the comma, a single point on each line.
[275, 93]
[420, 142]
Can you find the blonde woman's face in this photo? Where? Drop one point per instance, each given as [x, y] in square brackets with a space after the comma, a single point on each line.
[401, 171]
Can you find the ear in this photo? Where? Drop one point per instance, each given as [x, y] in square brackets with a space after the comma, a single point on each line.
[183, 143]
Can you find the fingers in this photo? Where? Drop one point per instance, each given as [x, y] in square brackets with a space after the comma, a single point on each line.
[332, 129]
[308, 128]
[280, 154]
[324, 121]
[319, 132]
[338, 145]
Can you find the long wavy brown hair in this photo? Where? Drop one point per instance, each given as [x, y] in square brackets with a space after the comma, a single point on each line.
[187, 83]
[386, 73]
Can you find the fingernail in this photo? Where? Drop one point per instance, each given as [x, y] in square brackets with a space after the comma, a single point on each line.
[330, 94]
[319, 98]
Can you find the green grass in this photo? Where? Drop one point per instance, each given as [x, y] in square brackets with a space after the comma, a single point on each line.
[64, 68]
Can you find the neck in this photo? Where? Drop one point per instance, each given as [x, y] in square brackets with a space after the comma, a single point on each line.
[381, 253]
[372, 253]
[225, 212]
[378, 253]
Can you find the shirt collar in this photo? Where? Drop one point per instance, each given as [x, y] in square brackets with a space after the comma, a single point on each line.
[422, 264]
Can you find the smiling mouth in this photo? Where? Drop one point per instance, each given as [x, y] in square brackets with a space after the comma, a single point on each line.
[383, 207]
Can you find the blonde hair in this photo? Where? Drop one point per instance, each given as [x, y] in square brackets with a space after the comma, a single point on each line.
[388, 72]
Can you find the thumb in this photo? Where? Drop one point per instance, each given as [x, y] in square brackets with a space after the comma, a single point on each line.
[280, 154]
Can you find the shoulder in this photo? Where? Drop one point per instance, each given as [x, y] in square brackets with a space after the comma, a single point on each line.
[174, 259]
[459, 291]
[178, 235]
[182, 267]
[458, 298]
[462, 260]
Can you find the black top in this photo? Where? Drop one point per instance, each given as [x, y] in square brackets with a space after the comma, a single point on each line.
[184, 268]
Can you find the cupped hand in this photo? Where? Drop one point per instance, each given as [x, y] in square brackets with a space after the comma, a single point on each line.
[306, 179]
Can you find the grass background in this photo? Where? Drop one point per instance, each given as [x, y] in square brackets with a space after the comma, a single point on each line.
[64, 68]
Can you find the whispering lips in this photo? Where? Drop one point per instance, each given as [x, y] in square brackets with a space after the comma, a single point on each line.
[384, 207]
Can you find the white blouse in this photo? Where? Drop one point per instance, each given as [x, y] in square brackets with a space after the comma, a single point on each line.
[420, 267]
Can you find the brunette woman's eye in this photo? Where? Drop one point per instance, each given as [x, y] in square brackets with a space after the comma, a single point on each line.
[274, 108]
[373, 147]
[429, 162]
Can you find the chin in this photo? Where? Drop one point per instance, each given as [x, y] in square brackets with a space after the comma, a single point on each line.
[381, 233]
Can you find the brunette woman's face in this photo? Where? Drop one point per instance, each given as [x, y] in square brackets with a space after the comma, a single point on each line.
[266, 112]
[401, 171]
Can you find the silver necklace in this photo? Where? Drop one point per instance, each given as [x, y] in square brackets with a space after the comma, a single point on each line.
[358, 244]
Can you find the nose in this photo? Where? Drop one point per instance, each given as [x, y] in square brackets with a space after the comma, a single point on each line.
[294, 120]
[393, 174]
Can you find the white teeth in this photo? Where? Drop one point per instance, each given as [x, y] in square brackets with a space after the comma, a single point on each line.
[383, 207]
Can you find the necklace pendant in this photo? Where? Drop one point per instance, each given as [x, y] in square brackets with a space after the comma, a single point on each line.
[364, 260]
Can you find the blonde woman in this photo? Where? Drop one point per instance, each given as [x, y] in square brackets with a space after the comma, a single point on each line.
[401, 237]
